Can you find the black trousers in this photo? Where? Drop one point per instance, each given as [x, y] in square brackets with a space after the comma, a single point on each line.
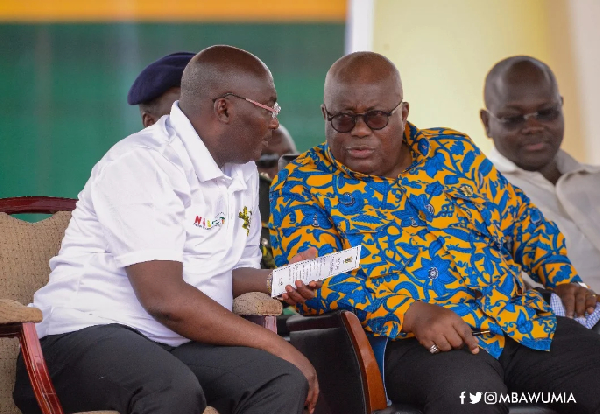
[435, 383]
[112, 367]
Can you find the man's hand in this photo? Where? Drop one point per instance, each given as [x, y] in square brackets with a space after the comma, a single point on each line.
[576, 299]
[302, 293]
[160, 288]
[293, 356]
[434, 325]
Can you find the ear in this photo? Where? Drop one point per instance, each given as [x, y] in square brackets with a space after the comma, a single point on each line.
[148, 119]
[324, 111]
[485, 119]
[562, 101]
[405, 111]
[222, 110]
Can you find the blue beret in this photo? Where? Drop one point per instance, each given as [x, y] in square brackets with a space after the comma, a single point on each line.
[158, 77]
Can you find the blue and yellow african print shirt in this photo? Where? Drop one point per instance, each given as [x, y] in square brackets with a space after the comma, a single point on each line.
[450, 231]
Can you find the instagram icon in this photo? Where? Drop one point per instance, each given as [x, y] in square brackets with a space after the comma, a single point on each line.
[490, 398]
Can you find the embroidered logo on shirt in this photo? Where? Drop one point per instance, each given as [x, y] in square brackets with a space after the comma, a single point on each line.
[208, 224]
[246, 215]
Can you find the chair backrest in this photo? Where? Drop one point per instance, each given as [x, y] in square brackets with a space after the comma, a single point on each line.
[25, 249]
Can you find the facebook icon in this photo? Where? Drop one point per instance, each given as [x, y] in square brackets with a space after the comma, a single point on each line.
[462, 398]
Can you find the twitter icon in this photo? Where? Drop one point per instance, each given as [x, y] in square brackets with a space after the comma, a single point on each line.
[475, 398]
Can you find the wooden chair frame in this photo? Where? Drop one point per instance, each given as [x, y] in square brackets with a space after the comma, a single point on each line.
[25, 331]
[24, 328]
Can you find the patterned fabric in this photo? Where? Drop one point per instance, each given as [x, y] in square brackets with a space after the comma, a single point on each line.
[450, 231]
[267, 261]
[589, 321]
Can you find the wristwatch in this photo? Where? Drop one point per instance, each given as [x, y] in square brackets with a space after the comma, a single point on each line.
[270, 283]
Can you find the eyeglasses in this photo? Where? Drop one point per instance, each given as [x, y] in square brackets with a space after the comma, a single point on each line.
[546, 115]
[274, 110]
[344, 122]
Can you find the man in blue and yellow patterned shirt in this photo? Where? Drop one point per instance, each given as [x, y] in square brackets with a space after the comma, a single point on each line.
[444, 240]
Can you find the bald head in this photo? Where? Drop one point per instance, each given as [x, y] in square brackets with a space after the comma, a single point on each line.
[217, 70]
[229, 97]
[360, 68]
[513, 72]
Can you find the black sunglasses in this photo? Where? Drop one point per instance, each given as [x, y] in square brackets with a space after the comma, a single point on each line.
[344, 122]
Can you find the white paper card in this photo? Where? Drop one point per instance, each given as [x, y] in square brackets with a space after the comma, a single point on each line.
[315, 269]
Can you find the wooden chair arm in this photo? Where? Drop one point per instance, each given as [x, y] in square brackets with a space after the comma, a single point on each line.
[38, 370]
[256, 303]
[12, 311]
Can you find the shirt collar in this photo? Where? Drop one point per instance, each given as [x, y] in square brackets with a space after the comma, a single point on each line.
[204, 165]
[566, 164]
[417, 143]
[502, 164]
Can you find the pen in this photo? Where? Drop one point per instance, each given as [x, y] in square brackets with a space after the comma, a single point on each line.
[479, 333]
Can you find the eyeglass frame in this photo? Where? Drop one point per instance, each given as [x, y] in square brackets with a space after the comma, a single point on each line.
[362, 115]
[275, 110]
[525, 117]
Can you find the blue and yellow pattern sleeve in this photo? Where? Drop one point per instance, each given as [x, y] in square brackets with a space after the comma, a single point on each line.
[299, 221]
[535, 242]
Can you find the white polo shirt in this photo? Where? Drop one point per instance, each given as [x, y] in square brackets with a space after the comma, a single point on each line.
[156, 195]
[573, 204]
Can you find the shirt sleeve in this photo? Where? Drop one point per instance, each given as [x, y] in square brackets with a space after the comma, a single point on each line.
[298, 222]
[138, 209]
[251, 255]
[534, 242]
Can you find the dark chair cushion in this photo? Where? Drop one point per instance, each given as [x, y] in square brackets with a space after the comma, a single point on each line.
[329, 348]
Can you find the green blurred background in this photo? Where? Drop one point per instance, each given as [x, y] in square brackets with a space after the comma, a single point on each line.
[63, 88]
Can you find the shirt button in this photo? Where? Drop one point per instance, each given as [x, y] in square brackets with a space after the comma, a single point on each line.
[466, 190]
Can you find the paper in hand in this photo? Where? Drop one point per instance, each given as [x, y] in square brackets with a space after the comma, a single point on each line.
[315, 269]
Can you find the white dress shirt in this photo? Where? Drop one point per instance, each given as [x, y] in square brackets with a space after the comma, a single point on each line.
[156, 195]
[573, 204]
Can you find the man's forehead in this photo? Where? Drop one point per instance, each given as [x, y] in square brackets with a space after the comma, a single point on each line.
[257, 86]
[351, 94]
[524, 91]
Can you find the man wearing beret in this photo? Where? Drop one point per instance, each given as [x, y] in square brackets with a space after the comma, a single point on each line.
[137, 311]
[158, 86]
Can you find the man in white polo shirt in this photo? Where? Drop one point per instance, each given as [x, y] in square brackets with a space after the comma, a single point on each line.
[524, 118]
[166, 232]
